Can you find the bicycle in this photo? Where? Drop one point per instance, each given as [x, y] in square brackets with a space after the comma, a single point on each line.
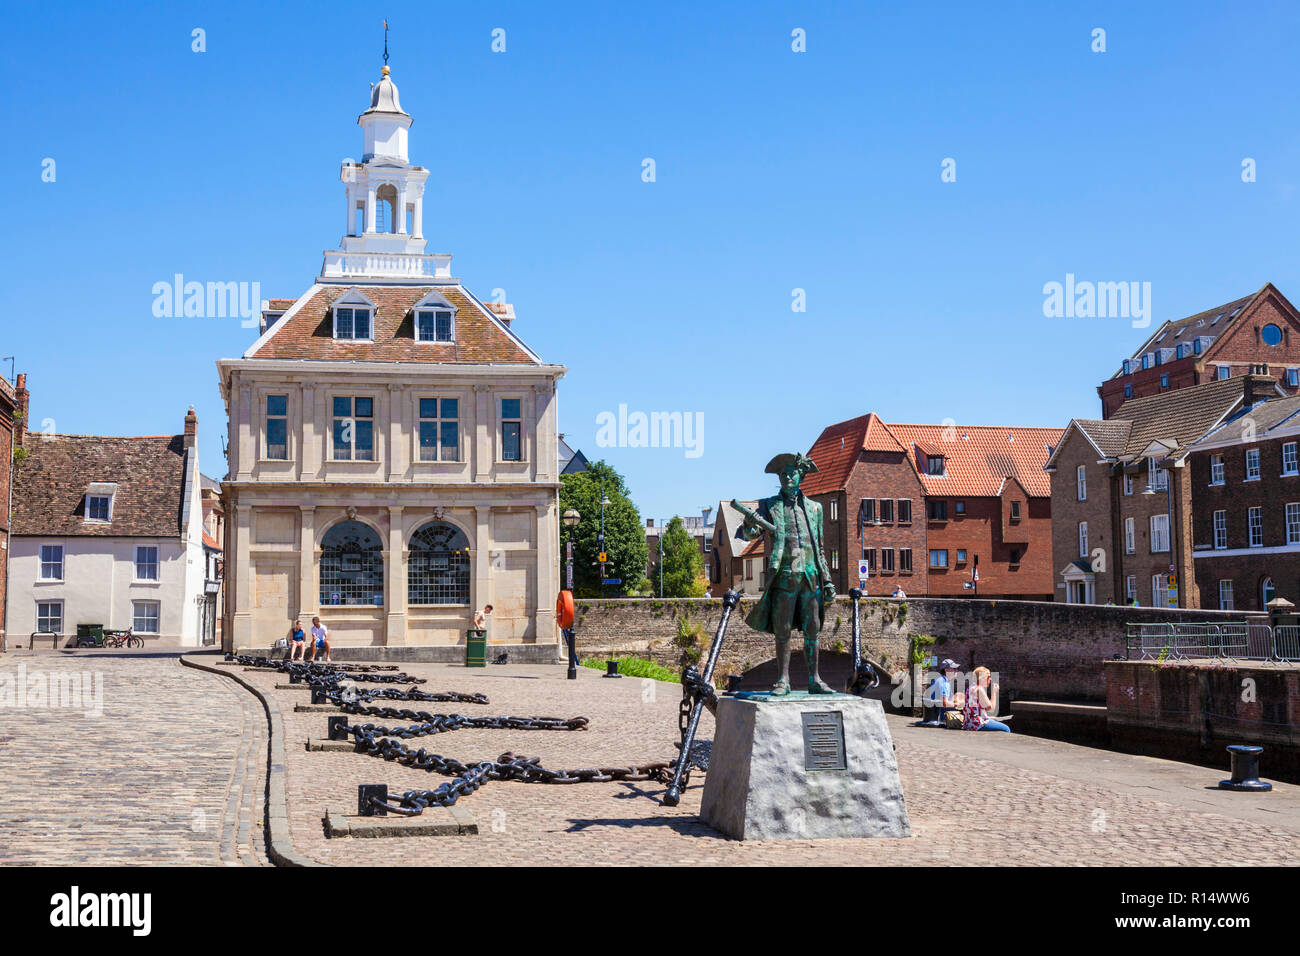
[122, 639]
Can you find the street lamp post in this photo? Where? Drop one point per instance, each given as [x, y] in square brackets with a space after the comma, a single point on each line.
[570, 518]
[600, 538]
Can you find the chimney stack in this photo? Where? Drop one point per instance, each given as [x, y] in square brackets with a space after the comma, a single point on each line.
[191, 427]
[649, 522]
[20, 401]
[1258, 386]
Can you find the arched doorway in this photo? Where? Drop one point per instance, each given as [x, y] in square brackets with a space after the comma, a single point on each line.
[437, 572]
[1267, 591]
[351, 566]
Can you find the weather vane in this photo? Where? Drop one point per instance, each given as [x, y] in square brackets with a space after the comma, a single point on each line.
[385, 43]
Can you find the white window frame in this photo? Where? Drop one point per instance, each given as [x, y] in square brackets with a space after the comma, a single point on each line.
[420, 419]
[1255, 527]
[501, 429]
[835, 509]
[1220, 530]
[1290, 460]
[1252, 464]
[939, 551]
[55, 603]
[1160, 590]
[1083, 539]
[135, 616]
[1131, 587]
[1225, 595]
[41, 562]
[157, 564]
[1128, 482]
[1222, 372]
[1159, 533]
[1130, 535]
[352, 299]
[1081, 482]
[1293, 522]
[1217, 470]
[267, 418]
[352, 417]
[1157, 477]
[1293, 378]
[434, 303]
[94, 497]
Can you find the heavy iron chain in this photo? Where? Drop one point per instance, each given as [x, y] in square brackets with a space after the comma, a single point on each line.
[329, 672]
[378, 741]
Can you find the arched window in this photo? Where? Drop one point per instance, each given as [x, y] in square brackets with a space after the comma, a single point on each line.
[386, 209]
[351, 566]
[438, 570]
[1267, 591]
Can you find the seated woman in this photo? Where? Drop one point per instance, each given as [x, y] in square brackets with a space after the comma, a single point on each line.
[980, 702]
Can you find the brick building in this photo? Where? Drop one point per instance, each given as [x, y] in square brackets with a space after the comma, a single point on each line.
[1122, 498]
[699, 527]
[13, 408]
[925, 505]
[726, 563]
[1245, 478]
[1262, 329]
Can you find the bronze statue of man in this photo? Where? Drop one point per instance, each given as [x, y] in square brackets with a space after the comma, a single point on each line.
[798, 578]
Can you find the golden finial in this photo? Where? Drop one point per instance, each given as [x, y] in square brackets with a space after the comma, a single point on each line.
[384, 71]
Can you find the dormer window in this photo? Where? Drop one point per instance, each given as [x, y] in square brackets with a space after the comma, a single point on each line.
[354, 317]
[99, 501]
[934, 465]
[433, 326]
[435, 319]
[1128, 366]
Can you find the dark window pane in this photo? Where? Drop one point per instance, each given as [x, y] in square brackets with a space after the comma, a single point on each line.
[342, 449]
[428, 441]
[428, 408]
[361, 324]
[364, 440]
[510, 408]
[343, 407]
[444, 326]
[424, 323]
[277, 405]
[365, 408]
[450, 408]
[449, 441]
[277, 445]
[510, 441]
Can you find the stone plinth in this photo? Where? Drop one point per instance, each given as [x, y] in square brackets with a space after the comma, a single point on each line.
[803, 767]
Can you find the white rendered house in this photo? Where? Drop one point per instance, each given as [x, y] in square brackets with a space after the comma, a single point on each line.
[109, 531]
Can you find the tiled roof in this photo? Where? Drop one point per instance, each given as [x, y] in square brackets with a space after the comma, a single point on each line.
[50, 484]
[308, 333]
[979, 457]
[279, 305]
[210, 542]
[837, 448]
[1211, 322]
[1179, 417]
[1267, 416]
[756, 547]
[1109, 435]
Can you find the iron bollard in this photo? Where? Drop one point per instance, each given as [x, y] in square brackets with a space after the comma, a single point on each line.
[367, 792]
[338, 728]
[317, 695]
[611, 669]
[733, 682]
[295, 678]
[229, 656]
[1245, 770]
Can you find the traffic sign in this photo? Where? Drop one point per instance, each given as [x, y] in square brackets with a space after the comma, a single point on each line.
[612, 581]
[864, 570]
[602, 557]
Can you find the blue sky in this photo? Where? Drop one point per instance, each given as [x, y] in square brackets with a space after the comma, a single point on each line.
[775, 170]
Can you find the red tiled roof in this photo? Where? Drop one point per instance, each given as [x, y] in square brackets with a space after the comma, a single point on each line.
[756, 547]
[210, 541]
[50, 484]
[837, 449]
[309, 332]
[279, 305]
[979, 457]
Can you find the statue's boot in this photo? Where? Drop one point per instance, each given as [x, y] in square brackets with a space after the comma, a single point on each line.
[815, 684]
[780, 688]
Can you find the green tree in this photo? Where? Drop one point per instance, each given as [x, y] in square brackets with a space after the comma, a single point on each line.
[624, 535]
[683, 564]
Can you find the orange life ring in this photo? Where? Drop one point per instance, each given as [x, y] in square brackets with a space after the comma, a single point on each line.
[564, 610]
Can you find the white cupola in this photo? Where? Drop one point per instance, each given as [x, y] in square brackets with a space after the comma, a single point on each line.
[385, 193]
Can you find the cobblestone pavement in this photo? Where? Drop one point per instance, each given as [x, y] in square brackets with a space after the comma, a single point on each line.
[1014, 800]
[173, 771]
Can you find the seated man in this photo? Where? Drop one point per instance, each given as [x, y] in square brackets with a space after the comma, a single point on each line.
[939, 698]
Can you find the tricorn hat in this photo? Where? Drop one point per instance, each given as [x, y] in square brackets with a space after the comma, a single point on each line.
[781, 461]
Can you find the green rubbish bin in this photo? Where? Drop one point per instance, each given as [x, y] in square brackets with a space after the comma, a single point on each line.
[476, 647]
[90, 635]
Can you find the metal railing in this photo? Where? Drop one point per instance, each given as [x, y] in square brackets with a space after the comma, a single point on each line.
[1237, 640]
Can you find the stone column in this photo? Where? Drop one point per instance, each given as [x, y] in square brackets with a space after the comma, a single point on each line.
[244, 430]
[482, 591]
[419, 215]
[400, 211]
[546, 450]
[370, 207]
[546, 574]
[483, 420]
[241, 578]
[309, 436]
[395, 579]
[308, 588]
